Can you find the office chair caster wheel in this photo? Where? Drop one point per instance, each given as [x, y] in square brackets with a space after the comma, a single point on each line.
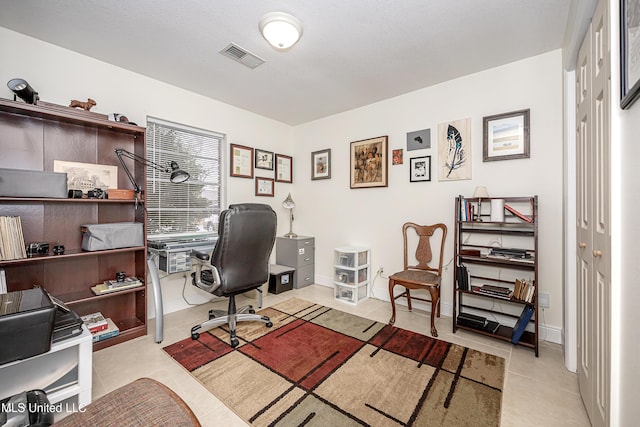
[195, 336]
[268, 324]
[234, 342]
[252, 311]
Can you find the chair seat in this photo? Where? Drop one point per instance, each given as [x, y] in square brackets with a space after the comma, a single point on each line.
[417, 277]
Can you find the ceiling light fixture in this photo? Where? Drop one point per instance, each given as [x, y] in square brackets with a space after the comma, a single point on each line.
[280, 29]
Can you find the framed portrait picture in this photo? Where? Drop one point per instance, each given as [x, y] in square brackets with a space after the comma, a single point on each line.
[241, 161]
[321, 164]
[397, 156]
[506, 136]
[264, 186]
[284, 168]
[420, 169]
[264, 159]
[87, 176]
[369, 164]
[454, 150]
[629, 52]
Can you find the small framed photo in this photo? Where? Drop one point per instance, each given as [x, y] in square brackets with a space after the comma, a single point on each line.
[369, 163]
[629, 53]
[284, 168]
[420, 169]
[264, 186]
[321, 164]
[241, 161]
[264, 159]
[506, 136]
[397, 157]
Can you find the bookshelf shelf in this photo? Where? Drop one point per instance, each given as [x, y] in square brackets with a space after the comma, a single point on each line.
[495, 254]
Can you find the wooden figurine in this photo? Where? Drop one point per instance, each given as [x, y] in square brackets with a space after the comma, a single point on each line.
[84, 105]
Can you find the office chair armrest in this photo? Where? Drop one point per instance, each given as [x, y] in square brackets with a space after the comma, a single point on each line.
[199, 259]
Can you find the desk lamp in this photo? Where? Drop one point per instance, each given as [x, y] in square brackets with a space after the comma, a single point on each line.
[177, 174]
[480, 193]
[288, 203]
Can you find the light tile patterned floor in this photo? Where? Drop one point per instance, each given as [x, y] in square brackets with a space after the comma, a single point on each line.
[538, 391]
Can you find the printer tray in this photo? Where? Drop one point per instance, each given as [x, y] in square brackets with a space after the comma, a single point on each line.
[66, 325]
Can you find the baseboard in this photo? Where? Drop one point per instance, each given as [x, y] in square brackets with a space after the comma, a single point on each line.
[549, 333]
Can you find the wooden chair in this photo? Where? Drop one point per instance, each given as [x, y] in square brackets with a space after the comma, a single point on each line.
[421, 275]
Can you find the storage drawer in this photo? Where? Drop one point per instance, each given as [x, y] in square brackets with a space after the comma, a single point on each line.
[305, 255]
[304, 276]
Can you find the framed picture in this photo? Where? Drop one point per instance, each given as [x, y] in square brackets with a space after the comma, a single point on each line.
[419, 139]
[506, 136]
[87, 176]
[264, 159]
[284, 168]
[321, 164]
[369, 163]
[264, 186]
[397, 157]
[420, 169]
[629, 52]
[454, 150]
[241, 161]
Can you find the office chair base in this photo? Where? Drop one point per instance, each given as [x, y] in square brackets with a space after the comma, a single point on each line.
[231, 320]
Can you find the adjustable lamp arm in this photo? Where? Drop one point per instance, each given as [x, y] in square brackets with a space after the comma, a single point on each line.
[177, 175]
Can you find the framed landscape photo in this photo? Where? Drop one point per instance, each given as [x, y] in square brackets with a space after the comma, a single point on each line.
[369, 163]
[264, 159]
[284, 168]
[87, 176]
[241, 161]
[506, 136]
[264, 186]
[321, 164]
[629, 52]
[420, 169]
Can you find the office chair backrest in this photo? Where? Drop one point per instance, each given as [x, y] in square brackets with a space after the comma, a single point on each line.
[246, 234]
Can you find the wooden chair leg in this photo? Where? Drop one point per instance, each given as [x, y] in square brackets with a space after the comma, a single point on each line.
[435, 298]
[392, 284]
[408, 293]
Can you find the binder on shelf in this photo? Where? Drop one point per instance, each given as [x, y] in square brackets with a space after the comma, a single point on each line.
[522, 323]
[518, 214]
[463, 278]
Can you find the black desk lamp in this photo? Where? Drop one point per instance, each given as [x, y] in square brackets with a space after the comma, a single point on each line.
[177, 174]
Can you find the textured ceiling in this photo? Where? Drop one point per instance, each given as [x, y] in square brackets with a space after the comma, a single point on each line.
[352, 52]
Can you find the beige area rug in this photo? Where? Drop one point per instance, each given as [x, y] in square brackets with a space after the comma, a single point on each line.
[318, 366]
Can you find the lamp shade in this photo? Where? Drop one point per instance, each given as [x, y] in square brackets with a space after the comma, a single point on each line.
[288, 203]
[23, 90]
[481, 192]
[280, 29]
[177, 174]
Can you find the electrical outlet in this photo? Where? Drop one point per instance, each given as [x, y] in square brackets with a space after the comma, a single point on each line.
[380, 270]
[543, 299]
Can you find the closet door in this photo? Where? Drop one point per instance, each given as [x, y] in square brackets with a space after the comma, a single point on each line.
[593, 221]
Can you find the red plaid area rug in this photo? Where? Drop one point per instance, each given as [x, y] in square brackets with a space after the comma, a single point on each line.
[321, 366]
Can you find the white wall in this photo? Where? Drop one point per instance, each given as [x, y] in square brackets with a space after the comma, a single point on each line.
[60, 75]
[338, 216]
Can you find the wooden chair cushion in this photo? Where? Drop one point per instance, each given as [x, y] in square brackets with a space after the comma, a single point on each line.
[417, 277]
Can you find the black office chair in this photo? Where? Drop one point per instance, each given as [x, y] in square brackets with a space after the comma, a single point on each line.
[239, 263]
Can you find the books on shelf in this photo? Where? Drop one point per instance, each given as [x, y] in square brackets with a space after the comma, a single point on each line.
[3, 281]
[494, 291]
[95, 322]
[114, 286]
[523, 290]
[467, 210]
[11, 238]
[462, 276]
[521, 324]
[110, 332]
[518, 214]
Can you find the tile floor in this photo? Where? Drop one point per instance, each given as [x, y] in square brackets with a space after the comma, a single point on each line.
[538, 391]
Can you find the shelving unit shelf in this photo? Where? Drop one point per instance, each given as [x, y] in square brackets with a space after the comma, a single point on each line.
[31, 138]
[475, 240]
[352, 274]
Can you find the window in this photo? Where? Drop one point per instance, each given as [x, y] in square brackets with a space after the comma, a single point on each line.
[191, 207]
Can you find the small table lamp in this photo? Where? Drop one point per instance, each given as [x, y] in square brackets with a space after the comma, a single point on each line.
[288, 203]
[480, 193]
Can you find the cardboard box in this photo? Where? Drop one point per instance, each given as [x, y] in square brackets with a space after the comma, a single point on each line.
[26, 324]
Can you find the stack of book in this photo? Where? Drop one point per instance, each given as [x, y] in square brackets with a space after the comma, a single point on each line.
[523, 290]
[100, 327]
[114, 286]
[494, 291]
[3, 281]
[11, 238]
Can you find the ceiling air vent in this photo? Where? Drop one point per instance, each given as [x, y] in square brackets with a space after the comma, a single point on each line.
[241, 55]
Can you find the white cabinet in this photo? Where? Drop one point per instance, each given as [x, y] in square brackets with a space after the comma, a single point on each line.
[352, 274]
[64, 373]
